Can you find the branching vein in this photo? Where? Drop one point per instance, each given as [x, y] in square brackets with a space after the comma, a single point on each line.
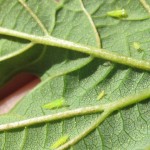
[146, 6]
[18, 52]
[109, 108]
[92, 23]
[34, 16]
[96, 52]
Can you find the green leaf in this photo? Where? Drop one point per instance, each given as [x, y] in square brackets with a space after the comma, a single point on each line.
[58, 41]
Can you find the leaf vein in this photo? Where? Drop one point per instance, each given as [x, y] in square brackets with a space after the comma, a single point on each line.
[100, 53]
[34, 16]
[146, 5]
[92, 23]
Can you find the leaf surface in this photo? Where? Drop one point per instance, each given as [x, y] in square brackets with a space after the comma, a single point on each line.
[49, 38]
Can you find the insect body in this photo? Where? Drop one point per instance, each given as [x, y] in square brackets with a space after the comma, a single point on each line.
[58, 103]
[101, 95]
[137, 46]
[117, 13]
[107, 63]
[60, 142]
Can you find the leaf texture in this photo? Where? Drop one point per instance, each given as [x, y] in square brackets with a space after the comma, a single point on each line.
[120, 119]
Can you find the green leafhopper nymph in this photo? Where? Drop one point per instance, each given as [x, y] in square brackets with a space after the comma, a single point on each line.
[60, 142]
[117, 13]
[101, 95]
[58, 103]
[137, 46]
[107, 63]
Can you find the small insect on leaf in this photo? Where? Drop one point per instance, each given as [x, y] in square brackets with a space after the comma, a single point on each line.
[107, 63]
[58, 103]
[117, 13]
[137, 46]
[101, 95]
[60, 142]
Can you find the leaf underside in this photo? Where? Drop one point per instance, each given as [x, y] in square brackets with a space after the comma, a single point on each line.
[120, 120]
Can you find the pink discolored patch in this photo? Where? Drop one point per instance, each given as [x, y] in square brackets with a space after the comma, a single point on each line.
[15, 89]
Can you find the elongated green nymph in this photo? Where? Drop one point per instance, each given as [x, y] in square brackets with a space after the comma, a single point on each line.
[101, 95]
[58, 103]
[60, 142]
[117, 13]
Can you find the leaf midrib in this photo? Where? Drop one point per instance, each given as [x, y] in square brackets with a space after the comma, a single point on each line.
[110, 107]
[96, 52]
[106, 110]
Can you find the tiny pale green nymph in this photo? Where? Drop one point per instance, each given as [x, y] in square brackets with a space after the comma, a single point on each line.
[58, 103]
[62, 140]
[117, 13]
[101, 95]
[137, 46]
